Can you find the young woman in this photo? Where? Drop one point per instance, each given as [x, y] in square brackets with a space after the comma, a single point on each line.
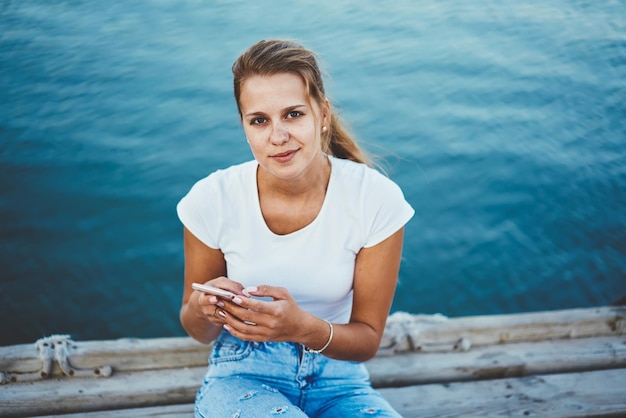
[307, 236]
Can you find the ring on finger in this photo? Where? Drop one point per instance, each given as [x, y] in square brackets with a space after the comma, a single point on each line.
[215, 312]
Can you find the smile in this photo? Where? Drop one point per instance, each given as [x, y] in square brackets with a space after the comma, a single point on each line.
[284, 157]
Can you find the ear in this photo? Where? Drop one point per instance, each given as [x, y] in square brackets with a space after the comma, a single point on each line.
[326, 112]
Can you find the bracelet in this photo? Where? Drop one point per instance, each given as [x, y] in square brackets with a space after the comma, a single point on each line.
[330, 338]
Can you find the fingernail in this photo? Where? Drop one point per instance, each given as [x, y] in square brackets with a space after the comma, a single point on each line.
[212, 299]
[247, 290]
[220, 303]
[222, 314]
[237, 300]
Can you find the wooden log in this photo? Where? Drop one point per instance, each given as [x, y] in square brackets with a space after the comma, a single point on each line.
[178, 385]
[571, 395]
[404, 333]
[166, 411]
[589, 394]
[126, 354]
[124, 390]
[137, 362]
[501, 360]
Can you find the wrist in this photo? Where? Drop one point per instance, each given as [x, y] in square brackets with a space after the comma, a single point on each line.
[328, 341]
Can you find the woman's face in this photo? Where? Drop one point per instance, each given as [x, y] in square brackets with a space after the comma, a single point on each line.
[283, 129]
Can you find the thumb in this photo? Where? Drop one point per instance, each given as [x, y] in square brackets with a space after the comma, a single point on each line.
[276, 293]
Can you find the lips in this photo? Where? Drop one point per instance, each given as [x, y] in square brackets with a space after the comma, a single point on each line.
[283, 154]
[283, 157]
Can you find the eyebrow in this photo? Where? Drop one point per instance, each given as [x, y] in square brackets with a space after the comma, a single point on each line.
[285, 110]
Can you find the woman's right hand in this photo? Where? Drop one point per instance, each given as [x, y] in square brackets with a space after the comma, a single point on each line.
[209, 306]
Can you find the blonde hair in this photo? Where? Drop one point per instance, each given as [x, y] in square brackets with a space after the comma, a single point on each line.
[266, 58]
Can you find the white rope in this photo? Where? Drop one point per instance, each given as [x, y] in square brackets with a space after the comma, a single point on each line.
[55, 348]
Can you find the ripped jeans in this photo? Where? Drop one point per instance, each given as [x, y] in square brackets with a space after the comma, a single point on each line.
[249, 379]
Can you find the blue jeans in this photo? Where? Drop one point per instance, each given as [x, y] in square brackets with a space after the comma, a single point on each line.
[250, 379]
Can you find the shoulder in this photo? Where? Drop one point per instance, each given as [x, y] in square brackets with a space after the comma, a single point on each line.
[361, 176]
[210, 205]
[227, 176]
[221, 186]
[351, 170]
[223, 182]
[373, 198]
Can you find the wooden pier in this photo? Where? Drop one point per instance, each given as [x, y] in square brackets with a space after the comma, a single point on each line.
[569, 363]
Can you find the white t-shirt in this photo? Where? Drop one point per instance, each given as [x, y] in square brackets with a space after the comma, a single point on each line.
[316, 263]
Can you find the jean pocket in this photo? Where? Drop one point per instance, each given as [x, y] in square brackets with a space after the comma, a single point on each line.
[229, 348]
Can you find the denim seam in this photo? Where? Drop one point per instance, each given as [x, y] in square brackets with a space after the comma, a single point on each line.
[238, 354]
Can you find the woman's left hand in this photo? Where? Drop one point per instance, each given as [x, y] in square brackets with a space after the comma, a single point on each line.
[250, 319]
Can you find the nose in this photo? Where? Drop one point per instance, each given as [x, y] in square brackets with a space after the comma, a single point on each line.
[279, 135]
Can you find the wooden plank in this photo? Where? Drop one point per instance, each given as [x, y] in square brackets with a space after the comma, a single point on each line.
[589, 394]
[124, 390]
[135, 389]
[167, 411]
[501, 360]
[404, 333]
[125, 354]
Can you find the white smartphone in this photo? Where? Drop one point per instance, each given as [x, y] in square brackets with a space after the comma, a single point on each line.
[213, 290]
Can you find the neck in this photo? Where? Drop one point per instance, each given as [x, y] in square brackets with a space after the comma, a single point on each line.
[310, 182]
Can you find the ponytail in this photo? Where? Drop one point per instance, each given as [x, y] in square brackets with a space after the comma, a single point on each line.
[338, 142]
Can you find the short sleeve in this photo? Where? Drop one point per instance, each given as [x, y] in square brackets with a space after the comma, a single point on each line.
[199, 211]
[387, 210]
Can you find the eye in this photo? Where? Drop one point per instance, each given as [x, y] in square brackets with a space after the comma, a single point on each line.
[294, 114]
[258, 121]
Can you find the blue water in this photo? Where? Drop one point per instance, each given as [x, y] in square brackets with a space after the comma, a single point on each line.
[504, 123]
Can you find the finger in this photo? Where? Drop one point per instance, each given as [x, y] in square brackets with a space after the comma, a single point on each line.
[227, 284]
[241, 302]
[264, 290]
[239, 314]
[246, 331]
[207, 300]
[213, 315]
[208, 305]
[209, 312]
[251, 310]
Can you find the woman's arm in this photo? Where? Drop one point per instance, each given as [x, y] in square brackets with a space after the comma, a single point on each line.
[202, 264]
[375, 277]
